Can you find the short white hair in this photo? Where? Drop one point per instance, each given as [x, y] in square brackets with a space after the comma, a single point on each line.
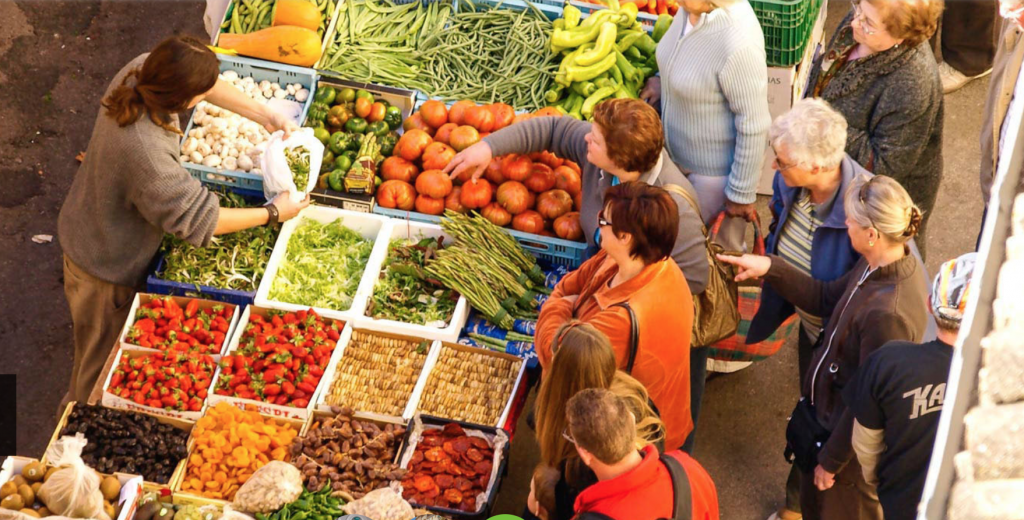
[813, 132]
[727, 3]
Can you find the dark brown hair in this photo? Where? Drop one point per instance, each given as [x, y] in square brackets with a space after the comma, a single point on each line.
[601, 423]
[545, 478]
[175, 72]
[632, 133]
[646, 212]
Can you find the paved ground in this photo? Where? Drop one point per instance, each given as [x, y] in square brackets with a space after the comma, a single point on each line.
[56, 58]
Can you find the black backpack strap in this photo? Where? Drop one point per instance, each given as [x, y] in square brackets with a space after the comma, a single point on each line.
[592, 515]
[682, 499]
[634, 335]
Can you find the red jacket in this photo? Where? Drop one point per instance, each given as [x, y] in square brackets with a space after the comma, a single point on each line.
[645, 492]
[661, 300]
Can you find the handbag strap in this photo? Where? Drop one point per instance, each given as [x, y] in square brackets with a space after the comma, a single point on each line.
[679, 190]
[716, 226]
[634, 335]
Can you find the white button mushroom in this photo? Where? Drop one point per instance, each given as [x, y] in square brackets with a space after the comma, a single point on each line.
[280, 94]
[196, 157]
[230, 75]
[212, 161]
[230, 163]
[244, 162]
[301, 95]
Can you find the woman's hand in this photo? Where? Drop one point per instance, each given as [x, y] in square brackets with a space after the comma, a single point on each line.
[286, 209]
[750, 266]
[823, 479]
[277, 121]
[651, 93]
[475, 159]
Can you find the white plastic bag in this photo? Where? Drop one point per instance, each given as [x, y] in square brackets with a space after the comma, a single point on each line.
[277, 177]
[74, 489]
[272, 487]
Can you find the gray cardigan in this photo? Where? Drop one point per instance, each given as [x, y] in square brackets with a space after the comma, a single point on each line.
[129, 190]
[564, 136]
[892, 102]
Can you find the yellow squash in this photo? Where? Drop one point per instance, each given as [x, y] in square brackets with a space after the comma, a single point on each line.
[283, 44]
[299, 13]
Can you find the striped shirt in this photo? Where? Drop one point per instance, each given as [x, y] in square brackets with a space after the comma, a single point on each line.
[795, 242]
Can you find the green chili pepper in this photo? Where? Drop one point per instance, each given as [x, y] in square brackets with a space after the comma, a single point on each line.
[571, 14]
[661, 27]
[591, 102]
[646, 44]
[617, 75]
[596, 19]
[580, 73]
[635, 54]
[570, 38]
[627, 39]
[629, 72]
[576, 106]
[584, 88]
[605, 43]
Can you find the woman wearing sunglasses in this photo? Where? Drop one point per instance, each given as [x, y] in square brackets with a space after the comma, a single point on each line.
[583, 358]
[634, 293]
[880, 73]
[883, 298]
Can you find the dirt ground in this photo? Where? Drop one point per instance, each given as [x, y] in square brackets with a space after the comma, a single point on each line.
[56, 58]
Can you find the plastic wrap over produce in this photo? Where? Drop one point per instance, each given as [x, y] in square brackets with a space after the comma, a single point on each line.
[995, 438]
[998, 500]
[1000, 379]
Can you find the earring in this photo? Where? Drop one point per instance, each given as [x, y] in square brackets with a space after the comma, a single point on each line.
[871, 244]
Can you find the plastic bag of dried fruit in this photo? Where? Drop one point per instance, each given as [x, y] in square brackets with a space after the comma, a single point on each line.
[272, 487]
[73, 490]
[381, 504]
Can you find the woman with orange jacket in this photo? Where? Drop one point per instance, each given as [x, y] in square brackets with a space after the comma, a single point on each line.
[636, 295]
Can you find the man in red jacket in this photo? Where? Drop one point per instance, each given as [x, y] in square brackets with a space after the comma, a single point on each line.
[633, 485]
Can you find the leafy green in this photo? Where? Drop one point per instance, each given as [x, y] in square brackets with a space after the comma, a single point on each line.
[298, 163]
[406, 293]
[234, 261]
[322, 266]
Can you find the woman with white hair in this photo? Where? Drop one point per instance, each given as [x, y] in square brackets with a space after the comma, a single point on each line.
[808, 229]
[884, 297]
[713, 93]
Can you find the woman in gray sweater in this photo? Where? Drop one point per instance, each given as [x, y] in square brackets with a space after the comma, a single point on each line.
[131, 190]
[880, 73]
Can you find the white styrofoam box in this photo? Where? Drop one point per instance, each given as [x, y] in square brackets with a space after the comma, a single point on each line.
[143, 299]
[371, 227]
[412, 231]
[429, 368]
[131, 485]
[265, 408]
[113, 401]
[785, 86]
[410, 407]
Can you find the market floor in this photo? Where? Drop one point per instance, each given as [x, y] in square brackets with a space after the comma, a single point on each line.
[56, 58]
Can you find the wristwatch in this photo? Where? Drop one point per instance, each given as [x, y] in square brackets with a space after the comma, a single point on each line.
[272, 210]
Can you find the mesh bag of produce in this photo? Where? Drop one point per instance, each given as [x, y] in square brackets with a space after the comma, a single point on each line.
[270, 488]
[73, 490]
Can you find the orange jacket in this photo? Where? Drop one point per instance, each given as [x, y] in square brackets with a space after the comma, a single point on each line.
[661, 300]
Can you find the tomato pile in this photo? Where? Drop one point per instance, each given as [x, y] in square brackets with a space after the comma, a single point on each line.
[280, 359]
[169, 380]
[163, 325]
[535, 193]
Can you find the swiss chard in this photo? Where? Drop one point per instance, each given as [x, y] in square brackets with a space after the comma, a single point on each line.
[406, 293]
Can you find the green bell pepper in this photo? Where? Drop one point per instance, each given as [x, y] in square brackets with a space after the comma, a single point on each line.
[325, 94]
[605, 43]
[661, 27]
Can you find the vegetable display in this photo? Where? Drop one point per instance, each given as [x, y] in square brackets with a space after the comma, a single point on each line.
[254, 15]
[322, 266]
[469, 386]
[606, 55]
[163, 325]
[348, 456]
[405, 292]
[449, 469]
[308, 506]
[127, 442]
[166, 380]
[658, 7]
[233, 261]
[229, 445]
[280, 359]
[377, 373]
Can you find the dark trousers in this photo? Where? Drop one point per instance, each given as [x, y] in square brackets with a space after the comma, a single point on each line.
[850, 498]
[793, 483]
[969, 35]
[698, 376]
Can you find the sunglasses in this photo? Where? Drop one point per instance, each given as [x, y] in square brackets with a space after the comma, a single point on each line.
[601, 221]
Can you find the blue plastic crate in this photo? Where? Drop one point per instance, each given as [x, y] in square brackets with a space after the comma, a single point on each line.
[647, 20]
[259, 70]
[156, 285]
[556, 251]
[552, 9]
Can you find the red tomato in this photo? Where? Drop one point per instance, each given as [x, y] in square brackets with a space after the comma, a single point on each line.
[553, 204]
[457, 114]
[513, 196]
[516, 167]
[444, 132]
[476, 193]
[567, 179]
[434, 113]
[396, 168]
[412, 144]
[568, 226]
[377, 111]
[416, 121]
[396, 194]
[453, 203]
[433, 183]
[480, 118]
[463, 137]
[437, 155]
[541, 178]
[363, 107]
[429, 205]
[493, 172]
[503, 115]
[528, 221]
[496, 214]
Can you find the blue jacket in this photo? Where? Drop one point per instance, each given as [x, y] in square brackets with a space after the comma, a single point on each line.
[832, 255]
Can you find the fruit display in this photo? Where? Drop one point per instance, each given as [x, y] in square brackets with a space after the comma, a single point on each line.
[234, 261]
[322, 266]
[162, 324]
[127, 442]
[349, 456]
[449, 469]
[280, 358]
[604, 56]
[151, 508]
[377, 373]
[168, 380]
[229, 445]
[246, 17]
[223, 140]
[470, 386]
[484, 54]
[309, 505]
[358, 130]
[405, 292]
[21, 493]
